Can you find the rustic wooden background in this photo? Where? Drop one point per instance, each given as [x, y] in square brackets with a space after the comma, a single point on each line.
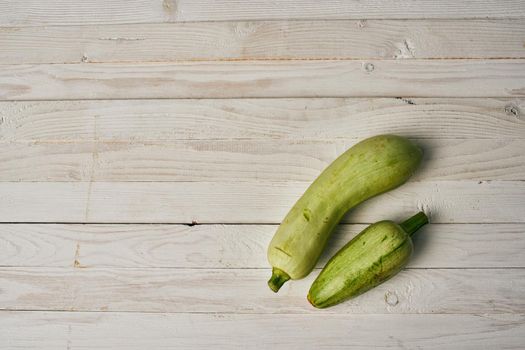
[150, 148]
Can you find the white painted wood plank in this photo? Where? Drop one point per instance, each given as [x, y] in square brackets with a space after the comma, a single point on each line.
[247, 202]
[238, 246]
[63, 12]
[52, 330]
[418, 78]
[326, 118]
[265, 40]
[334, 9]
[242, 160]
[245, 291]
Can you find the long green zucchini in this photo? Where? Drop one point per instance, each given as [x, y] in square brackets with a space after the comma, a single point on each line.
[371, 167]
[373, 256]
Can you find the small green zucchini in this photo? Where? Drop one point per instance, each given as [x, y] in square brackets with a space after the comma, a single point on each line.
[371, 167]
[373, 256]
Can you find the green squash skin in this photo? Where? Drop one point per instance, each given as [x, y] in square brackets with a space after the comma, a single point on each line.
[373, 256]
[369, 168]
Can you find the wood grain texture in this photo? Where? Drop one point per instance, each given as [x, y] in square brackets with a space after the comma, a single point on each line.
[245, 291]
[63, 12]
[238, 246]
[283, 118]
[417, 78]
[334, 9]
[196, 41]
[243, 160]
[52, 330]
[249, 202]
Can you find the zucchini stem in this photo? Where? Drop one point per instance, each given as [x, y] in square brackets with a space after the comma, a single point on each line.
[279, 277]
[414, 223]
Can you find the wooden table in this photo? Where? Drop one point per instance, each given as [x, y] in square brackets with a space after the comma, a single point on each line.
[150, 148]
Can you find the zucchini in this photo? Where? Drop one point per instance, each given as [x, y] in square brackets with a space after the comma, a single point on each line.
[373, 256]
[373, 166]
